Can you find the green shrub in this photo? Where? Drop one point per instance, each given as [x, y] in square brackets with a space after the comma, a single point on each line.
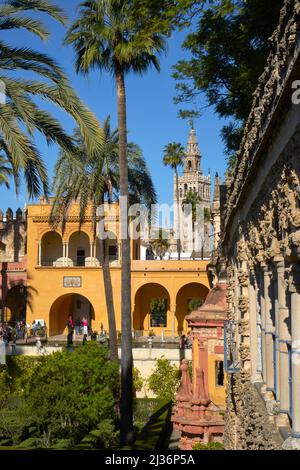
[138, 381]
[5, 384]
[21, 369]
[59, 399]
[5, 442]
[14, 417]
[144, 408]
[87, 442]
[62, 444]
[164, 380]
[71, 392]
[209, 446]
[31, 442]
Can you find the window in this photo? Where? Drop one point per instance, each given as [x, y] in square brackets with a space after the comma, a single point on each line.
[80, 258]
[189, 165]
[219, 368]
[113, 252]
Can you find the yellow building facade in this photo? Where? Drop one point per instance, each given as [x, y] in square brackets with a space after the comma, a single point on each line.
[65, 277]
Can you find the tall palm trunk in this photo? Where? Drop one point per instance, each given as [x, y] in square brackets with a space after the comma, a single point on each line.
[178, 215]
[193, 239]
[113, 339]
[126, 403]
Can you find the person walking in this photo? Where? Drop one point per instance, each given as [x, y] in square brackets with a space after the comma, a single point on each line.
[85, 326]
[70, 326]
[77, 326]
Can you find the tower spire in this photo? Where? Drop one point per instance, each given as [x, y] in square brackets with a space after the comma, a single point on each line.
[193, 154]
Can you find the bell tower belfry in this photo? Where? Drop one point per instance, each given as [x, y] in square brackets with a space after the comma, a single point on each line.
[193, 180]
[193, 154]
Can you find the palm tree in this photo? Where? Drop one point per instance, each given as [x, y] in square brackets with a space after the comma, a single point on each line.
[5, 171]
[21, 114]
[109, 36]
[92, 180]
[160, 244]
[192, 199]
[173, 157]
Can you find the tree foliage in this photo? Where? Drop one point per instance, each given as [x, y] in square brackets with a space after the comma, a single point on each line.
[164, 380]
[67, 396]
[229, 53]
[91, 179]
[165, 16]
[22, 114]
[192, 199]
[194, 304]
[160, 244]
[71, 393]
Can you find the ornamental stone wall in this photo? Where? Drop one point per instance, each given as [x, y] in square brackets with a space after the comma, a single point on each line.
[260, 247]
[248, 425]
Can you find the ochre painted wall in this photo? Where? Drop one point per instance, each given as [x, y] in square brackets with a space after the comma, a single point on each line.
[49, 297]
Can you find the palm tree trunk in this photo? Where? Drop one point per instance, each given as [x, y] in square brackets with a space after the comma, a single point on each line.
[113, 339]
[126, 403]
[193, 240]
[178, 216]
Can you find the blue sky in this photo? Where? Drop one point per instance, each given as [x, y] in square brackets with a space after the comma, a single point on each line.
[152, 116]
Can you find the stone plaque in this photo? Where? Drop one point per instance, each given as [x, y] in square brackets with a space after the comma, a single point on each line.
[72, 281]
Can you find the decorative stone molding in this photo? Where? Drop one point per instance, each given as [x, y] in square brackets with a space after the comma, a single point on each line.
[261, 235]
[244, 352]
[243, 304]
[272, 83]
[247, 425]
[243, 326]
[243, 278]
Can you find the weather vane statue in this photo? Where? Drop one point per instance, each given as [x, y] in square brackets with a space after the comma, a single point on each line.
[191, 123]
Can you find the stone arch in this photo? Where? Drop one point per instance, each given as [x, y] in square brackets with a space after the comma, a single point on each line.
[52, 249]
[142, 320]
[79, 248]
[188, 292]
[73, 304]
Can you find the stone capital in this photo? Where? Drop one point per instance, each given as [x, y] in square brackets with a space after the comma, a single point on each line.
[279, 262]
[267, 270]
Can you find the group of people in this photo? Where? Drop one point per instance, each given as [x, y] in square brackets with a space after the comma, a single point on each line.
[8, 334]
[81, 327]
[20, 331]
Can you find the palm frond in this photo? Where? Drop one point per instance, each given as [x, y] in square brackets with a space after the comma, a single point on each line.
[91, 178]
[22, 115]
[13, 7]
